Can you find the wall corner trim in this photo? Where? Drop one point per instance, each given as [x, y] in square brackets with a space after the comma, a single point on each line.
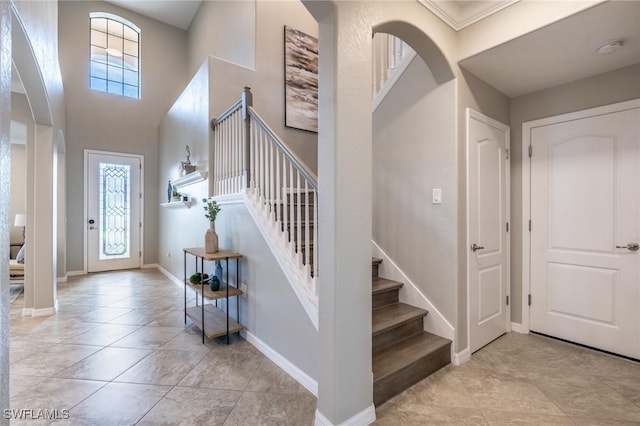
[459, 358]
[300, 376]
[519, 328]
[364, 417]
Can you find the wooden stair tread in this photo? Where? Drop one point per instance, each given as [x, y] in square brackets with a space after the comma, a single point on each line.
[376, 261]
[380, 285]
[394, 315]
[405, 353]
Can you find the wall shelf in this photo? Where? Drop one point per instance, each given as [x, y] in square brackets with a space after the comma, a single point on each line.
[177, 204]
[191, 178]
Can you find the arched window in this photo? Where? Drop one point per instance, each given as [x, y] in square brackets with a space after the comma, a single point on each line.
[115, 55]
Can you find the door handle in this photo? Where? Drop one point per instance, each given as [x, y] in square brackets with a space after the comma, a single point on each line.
[92, 227]
[476, 247]
[630, 246]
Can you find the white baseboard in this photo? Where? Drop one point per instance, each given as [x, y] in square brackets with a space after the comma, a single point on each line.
[62, 279]
[75, 273]
[459, 358]
[43, 312]
[169, 275]
[26, 312]
[149, 266]
[435, 322]
[300, 376]
[364, 417]
[518, 328]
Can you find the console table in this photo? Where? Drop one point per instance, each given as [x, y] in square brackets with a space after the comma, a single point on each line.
[213, 321]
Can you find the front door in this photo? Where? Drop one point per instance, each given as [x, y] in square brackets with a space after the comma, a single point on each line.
[488, 241]
[585, 226]
[113, 222]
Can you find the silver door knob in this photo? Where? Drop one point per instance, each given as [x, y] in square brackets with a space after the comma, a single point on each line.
[92, 227]
[476, 247]
[630, 246]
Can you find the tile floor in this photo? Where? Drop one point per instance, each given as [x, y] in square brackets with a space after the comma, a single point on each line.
[118, 353]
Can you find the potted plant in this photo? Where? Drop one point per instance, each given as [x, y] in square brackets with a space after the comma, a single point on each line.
[211, 210]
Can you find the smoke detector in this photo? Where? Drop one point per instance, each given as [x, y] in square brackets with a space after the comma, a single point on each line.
[610, 47]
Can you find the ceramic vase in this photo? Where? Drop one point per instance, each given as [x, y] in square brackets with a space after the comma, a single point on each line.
[211, 239]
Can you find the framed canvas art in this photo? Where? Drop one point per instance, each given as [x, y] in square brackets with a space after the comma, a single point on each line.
[301, 80]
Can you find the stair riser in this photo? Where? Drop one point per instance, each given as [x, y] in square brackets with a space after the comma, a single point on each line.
[392, 385]
[384, 298]
[396, 334]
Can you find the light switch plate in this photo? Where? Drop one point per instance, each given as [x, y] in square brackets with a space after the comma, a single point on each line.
[436, 196]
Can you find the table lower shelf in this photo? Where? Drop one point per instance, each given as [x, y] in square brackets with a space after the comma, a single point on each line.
[215, 321]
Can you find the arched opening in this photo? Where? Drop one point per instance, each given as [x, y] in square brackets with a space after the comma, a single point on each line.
[43, 184]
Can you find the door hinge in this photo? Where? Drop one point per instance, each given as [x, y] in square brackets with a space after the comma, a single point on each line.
[529, 225]
[507, 152]
[530, 151]
[507, 226]
[507, 300]
[529, 299]
[140, 224]
[139, 254]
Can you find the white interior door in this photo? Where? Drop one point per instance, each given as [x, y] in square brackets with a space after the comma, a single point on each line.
[113, 222]
[488, 215]
[585, 185]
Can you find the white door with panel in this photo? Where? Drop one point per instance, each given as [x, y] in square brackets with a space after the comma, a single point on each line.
[488, 238]
[113, 205]
[585, 186]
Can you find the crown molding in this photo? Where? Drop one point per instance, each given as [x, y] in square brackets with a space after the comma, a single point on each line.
[460, 17]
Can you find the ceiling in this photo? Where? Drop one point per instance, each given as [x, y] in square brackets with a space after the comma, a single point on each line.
[178, 13]
[461, 13]
[562, 52]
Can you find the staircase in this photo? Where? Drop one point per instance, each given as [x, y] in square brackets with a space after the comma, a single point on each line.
[403, 353]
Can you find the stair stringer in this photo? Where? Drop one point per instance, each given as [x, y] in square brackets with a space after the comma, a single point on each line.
[304, 289]
[391, 81]
[435, 322]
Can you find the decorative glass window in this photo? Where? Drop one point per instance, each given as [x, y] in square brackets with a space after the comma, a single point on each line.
[115, 55]
[115, 215]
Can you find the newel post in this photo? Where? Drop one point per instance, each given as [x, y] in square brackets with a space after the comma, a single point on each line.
[247, 101]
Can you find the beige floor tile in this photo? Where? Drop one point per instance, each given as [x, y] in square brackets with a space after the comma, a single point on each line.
[192, 406]
[162, 368]
[104, 365]
[507, 418]
[19, 383]
[103, 334]
[587, 396]
[55, 359]
[502, 394]
[148, 337]
[189, 340]
[441, 389]
[54, 394]
[272, 379]
[229, 371]
[581, 421]
[139, 317]
[390, 414]
[117, 404]
[173, 318]
[272, 409]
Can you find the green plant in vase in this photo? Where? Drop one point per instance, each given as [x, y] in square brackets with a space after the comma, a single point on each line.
[211, 210]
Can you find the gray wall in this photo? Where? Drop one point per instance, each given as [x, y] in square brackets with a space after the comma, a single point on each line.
[414, 151]
[224, 29]
[105, 122]
[267, 79]
[604, 89]
[186, 123]
[271, 311]
[21, 113]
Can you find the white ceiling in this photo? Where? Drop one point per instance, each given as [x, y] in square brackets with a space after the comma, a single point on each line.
[178, 13]
[562, 52]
